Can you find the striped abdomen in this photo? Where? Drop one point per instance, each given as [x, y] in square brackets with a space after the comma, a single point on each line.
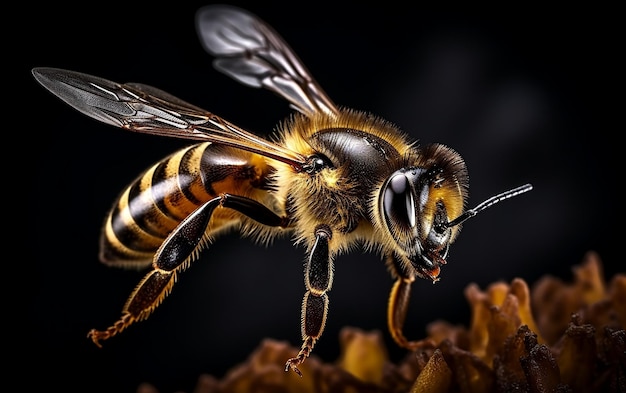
[156, 202]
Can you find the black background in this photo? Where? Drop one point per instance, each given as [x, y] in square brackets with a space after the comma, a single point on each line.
[525, 95]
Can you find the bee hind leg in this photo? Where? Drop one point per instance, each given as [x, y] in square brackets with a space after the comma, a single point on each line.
[154, 287]
[175, 254]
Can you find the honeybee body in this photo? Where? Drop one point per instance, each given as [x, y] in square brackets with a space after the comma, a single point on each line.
[332, 178]
[169, 191]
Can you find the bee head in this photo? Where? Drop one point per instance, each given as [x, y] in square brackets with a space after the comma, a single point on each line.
[417, 203]
[422, 206]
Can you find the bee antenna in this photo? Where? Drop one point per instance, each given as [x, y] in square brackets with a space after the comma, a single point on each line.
[487, 203]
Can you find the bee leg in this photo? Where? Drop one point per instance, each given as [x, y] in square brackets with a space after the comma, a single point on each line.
[318, 280]
[175, 254]
[399, 303]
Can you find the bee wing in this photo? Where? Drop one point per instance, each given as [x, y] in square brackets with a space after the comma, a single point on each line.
[251, 52]
[146, 109]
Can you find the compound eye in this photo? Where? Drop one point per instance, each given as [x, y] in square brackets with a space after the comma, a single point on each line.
[398, 202]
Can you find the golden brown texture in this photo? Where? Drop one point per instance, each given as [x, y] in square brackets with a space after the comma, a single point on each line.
[557, 337]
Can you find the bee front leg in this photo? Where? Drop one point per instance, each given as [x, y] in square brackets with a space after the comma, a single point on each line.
[399, 303]
[318, 281]
[175, 254]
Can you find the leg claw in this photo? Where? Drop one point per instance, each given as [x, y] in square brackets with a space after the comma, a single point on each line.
[95, 336]
[293, 365]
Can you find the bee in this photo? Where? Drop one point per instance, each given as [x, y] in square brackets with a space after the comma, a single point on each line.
[332, 178]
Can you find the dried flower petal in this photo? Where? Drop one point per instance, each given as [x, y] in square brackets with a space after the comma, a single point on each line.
[435, 377]
[363, 354]
[541, 369]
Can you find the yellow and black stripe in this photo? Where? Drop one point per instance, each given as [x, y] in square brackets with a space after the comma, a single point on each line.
[158, 200]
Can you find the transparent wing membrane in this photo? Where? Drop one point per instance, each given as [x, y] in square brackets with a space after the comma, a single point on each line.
[251, 52]
[145, 109]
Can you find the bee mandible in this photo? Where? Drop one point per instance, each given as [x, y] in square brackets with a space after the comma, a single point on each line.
[330, 177]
